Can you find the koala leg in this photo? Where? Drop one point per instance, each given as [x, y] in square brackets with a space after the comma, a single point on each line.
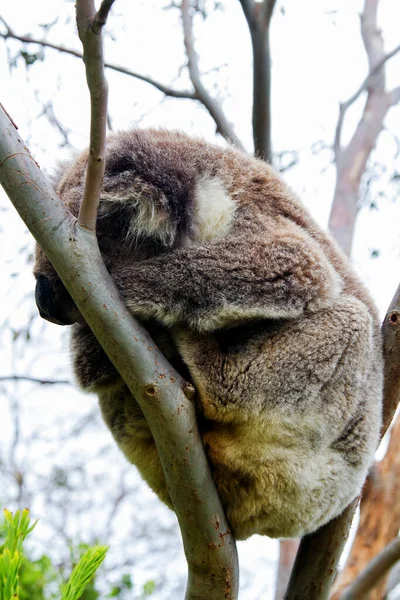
[291, 416]
[317, 365]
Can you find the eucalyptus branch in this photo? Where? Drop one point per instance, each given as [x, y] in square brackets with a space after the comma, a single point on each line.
[394, 96]
[267, 9]
[168, 91]
[258, 17]
[162, 394]
[201, 94]
[158, 388]
[35, 380]
[344, 106]
[351, 161]
[89, 31]
[373, 572]
[100, 18]
[249, 11]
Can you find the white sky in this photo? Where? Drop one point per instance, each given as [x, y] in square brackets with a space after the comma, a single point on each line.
[318, 60]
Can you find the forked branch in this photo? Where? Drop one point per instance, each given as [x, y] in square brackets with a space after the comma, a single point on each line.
[73, 250]
[344, 106]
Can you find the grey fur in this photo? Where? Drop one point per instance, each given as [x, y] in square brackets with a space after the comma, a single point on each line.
[267, 319]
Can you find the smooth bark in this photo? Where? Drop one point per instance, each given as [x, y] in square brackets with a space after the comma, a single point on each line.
[258, 16]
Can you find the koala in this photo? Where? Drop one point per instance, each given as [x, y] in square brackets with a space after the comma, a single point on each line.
[254, 305]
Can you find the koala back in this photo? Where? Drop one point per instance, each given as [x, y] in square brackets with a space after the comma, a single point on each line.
[253, 303]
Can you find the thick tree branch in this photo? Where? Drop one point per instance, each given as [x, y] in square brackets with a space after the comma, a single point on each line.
[318, 556]
[223, 126]
[209, 546]
[258, 17]
[373, 572]
[168, 91]
[159, 390]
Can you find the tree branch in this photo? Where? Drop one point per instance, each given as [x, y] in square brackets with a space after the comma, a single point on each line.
[258, 17]
[267, 8]
[213, 107]
[101, 16]
[209, 546]
[394, 96]
[158, 388]
[35, 380]
[373, 572]
[168, 91]
[351, 161]
[89, 28]
[248, 7]
[344, 106]
[318, 556]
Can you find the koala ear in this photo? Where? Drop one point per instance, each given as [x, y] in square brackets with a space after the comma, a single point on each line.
[113, 197]
[142, 204]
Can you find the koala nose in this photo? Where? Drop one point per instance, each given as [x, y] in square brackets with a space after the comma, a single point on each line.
[54, 303]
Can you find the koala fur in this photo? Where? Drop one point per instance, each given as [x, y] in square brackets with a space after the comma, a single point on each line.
[252, 302]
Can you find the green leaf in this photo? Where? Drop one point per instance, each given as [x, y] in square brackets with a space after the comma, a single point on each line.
[149, 588]
[83, 572]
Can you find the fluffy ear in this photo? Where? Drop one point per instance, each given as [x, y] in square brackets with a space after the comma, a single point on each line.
[143, 205]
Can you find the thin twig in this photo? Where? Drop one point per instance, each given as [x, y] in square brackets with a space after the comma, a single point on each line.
[168, 91]
[373, 572]
[35, 380]
[92, 43]
[213, 107]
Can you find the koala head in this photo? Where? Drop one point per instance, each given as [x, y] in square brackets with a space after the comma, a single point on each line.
[161, 190]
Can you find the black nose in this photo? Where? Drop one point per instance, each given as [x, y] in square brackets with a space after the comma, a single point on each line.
[54, 303]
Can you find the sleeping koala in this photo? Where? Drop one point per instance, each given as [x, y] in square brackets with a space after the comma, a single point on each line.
[253, 304]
